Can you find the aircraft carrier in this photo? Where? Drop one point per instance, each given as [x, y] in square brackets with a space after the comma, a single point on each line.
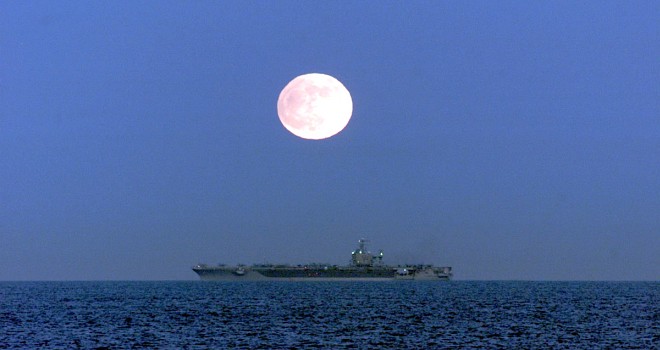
[363, 267]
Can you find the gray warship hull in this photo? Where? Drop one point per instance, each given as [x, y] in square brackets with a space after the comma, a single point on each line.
[263, 273]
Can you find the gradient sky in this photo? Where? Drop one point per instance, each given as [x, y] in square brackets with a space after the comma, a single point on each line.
[510, 140]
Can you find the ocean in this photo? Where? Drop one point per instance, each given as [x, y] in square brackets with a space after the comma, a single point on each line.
[330, 315]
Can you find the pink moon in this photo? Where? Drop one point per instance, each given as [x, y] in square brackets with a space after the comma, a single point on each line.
[314, 106]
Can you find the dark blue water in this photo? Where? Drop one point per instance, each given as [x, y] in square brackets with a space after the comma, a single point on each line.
[330, 315]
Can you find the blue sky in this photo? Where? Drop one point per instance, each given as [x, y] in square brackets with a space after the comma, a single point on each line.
[510, 140]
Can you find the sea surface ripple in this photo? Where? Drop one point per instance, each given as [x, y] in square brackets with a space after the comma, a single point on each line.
[332, 315]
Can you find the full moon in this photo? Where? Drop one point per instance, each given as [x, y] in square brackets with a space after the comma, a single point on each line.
[314, 106]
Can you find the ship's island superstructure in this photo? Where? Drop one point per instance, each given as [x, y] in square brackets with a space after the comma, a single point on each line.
[363, 267]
